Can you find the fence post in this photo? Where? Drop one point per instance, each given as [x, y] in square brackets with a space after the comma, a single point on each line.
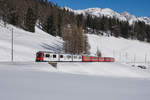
[114, 53]
[126, 57]
[120, 56]
[145, 58]
[134, 58]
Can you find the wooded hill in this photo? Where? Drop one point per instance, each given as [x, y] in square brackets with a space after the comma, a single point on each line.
[56, 21]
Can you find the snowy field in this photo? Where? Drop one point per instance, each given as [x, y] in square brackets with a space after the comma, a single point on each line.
[36, 81]
[24, 79]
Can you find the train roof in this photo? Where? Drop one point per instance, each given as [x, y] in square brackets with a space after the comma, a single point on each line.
[46, 52]
[63, 53]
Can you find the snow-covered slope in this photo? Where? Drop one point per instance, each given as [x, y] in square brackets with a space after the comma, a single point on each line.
[26, 44]
[98, 12]
[122, 49]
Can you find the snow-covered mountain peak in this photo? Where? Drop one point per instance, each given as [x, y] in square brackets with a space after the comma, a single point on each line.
[128, 15]
[93, 9]
[144, 19]
[98, 12]
[108, 10]
[111, 13]
[67, 8]
[130, 18]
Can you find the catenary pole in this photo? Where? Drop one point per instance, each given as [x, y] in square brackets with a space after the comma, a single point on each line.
[12, 55]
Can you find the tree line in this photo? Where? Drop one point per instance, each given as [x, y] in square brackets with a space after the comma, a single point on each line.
[114, 27]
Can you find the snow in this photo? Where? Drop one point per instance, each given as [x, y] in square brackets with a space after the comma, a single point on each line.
[131, 18]
[26, 44]
[103, 69]
[34, 84]
[144, 19]
[25, 79]
[123, 50]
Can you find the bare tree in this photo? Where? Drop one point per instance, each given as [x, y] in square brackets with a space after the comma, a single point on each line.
[99, 54]
[75, 39]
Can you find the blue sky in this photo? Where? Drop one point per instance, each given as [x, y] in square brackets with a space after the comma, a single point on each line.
[136, 7]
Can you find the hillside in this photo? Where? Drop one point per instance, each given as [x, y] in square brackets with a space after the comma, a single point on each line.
[26, 44]
[124, 50]
[26, 79]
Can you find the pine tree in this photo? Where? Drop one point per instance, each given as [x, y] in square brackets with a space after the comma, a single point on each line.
[124, 29]
[30, 20]
[116, 30]
[13, 18]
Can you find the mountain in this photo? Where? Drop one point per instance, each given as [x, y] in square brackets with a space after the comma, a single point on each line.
[130, 18]
[98, 12]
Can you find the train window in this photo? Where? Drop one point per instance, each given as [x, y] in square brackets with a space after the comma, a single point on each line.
[79, 57]
[47, 55]
[68, 56]
[61, 56]
[54, 56]
[75, 57]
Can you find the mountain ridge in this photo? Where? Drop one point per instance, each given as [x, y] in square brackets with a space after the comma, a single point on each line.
[123, 16]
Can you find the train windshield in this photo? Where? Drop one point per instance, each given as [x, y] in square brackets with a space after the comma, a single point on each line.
[38, 54]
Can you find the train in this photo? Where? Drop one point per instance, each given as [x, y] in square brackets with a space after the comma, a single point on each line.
[44, 56]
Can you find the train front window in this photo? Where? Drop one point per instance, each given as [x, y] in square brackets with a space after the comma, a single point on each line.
[38, 54]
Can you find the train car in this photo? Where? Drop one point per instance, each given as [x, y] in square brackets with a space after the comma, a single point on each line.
[43, 56]
[48, 56]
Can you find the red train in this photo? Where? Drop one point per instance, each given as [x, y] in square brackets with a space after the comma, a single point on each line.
[43, 56]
